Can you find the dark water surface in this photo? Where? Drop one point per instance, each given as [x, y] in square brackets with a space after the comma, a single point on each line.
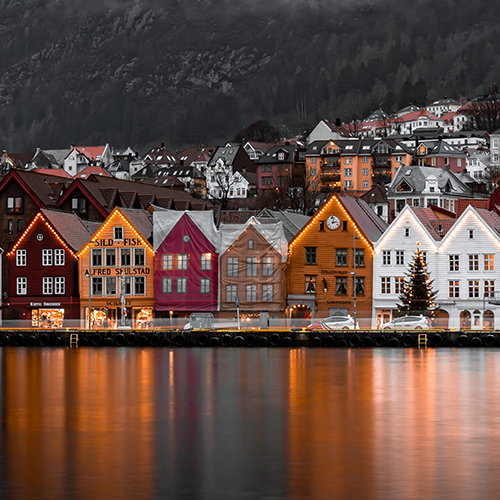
[249, 423]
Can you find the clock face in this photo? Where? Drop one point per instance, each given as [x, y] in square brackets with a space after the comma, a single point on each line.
[186, 238]
[333, 222]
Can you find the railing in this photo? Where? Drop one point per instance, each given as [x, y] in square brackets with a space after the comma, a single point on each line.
[381, 177]
[330, 177]
[381, 164]
[331, 163]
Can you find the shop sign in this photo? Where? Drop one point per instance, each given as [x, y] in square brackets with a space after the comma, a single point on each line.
[117, 303]
[330, 271]
[118, 271]
[45, 304]
[110, 242]
[338, 301]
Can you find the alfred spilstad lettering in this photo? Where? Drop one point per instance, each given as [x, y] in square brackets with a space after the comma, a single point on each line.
[123, 271]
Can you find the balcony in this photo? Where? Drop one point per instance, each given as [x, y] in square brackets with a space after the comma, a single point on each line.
[382, 176]
[330, 164]
[330, 177]
[381, 164]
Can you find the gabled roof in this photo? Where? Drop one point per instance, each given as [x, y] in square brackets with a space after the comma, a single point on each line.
[160, 156]
[364, 217]
[88, 171]
[271, 155]
[375, 195]
[462, 204]
[59, 172]
[190, 155]
[292, 222]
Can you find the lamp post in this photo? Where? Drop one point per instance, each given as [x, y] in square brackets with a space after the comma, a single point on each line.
[354, 278]
[89, 274]
[171, 312]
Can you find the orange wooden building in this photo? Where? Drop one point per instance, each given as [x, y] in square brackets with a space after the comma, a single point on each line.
[118, 267]
[328, 256]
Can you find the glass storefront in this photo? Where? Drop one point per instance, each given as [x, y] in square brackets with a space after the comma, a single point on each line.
[137, 317]
[47, 318]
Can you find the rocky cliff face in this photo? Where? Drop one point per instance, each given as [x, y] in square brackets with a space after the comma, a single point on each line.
[136, 72]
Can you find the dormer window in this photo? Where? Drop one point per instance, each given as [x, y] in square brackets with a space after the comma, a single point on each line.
[281, 156]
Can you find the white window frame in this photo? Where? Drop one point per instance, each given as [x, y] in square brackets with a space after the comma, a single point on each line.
[21, 258]
[47, 256]
[59, 285]
[48, 285]
[22, 285]
[59, 257]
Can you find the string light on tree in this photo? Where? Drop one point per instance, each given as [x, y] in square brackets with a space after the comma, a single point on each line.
[417, 296]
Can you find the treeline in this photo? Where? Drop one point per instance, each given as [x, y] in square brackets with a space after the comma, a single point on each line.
[190, 73]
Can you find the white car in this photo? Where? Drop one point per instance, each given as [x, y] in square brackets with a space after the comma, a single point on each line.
[334, 323]
[408, 323]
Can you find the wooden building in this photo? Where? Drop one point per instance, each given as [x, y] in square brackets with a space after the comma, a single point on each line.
[331, 260]
[117, 266]
[43, 270]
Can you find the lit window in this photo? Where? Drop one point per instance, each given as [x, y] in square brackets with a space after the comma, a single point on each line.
[206, 261]
[182, 261]
[14, 204]
[347, 172]
[59, 285]
[489, 288]
[454, 289]
[454, 262]
[489, 262]
[473, 289]
[399, 284]
[310, 284]
[47, 286]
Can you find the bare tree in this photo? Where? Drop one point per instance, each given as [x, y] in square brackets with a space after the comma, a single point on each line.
[484, 114]
[221, 184]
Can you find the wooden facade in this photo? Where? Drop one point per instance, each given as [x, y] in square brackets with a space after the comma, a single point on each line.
[118, 264]
[321, 272]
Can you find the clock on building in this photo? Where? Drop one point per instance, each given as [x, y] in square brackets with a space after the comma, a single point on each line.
[333, 222]
[186, 238]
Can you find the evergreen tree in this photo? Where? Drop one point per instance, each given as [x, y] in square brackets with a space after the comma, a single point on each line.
[417, 296]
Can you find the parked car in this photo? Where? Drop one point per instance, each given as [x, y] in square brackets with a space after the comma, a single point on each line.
[334, 323]
[408, 323]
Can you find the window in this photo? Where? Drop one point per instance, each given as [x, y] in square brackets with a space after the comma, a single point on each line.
[407, 232]
[250, 244]
[310, 284]
[14, 204]
[267, 293]
[341, 257]
[111, 285]
[231, 293]
[360, 286]
[454, 262]
[47, 257]
[19, 225]
[348, 160]
[473, 289]
[251, 293]
[489, 288]
[386, 257]
[206, 262]
[347, 172]
[471, 234]
[267, 266]
[313, 172]
[125, 257]
[365, 184]
[96, 257]
[424, 256]
[59, 257]
[416, 202]
[140, 285]
[474, 262]
[110, 257]
[166, 285]
[341, 285]
[97, 286]
[205, 285]
[489, 262]
[78, 205]
[10, 227]
[48, 286]
[365, 171]
[385, 283]
[127, 285]
[310, 255]
[359, 257]
[454, 289]
[139, 257]
[182, 261]
[22, 286]
[59, 285]
[348, 184]
[20, 257]
[281, 156]
[181, 285]
[313, 160]
[399, 284]
[232, 266]
[167, 261]
[400, 257]
[365, 160]
[251, 266]
[321, 225]
[118, 233]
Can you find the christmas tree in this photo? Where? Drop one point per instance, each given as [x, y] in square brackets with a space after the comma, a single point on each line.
[417, 296]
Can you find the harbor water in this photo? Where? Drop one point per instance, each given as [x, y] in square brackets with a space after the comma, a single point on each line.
[153, 423]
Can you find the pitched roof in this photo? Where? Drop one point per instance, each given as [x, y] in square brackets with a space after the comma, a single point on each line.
[364, 217]
[477, 203]
[235, 216]
[141, 219]
[70, 227]
[375, 195]
[59, 172]
[91, 152]
[88, 171]
[431, 223]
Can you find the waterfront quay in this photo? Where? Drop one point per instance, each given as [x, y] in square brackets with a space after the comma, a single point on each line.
[249, 338]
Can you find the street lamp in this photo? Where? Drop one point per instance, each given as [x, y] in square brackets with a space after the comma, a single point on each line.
[171, 312]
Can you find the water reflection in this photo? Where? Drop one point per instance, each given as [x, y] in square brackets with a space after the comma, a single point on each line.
[249, 423]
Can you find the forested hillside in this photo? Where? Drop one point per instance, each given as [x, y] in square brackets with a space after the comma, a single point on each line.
[137, 72]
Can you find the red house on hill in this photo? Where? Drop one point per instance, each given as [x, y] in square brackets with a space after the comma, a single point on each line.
[43, 270]
[186, 266]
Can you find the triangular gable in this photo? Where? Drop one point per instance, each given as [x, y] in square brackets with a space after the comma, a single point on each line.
[422, 150]
[469, 213]
[40, 217]
[13, 175]
[405, 186]
[399, 221]
[114, 214]
[76, 184]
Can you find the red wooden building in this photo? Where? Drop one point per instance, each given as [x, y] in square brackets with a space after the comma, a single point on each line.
[43, 270]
